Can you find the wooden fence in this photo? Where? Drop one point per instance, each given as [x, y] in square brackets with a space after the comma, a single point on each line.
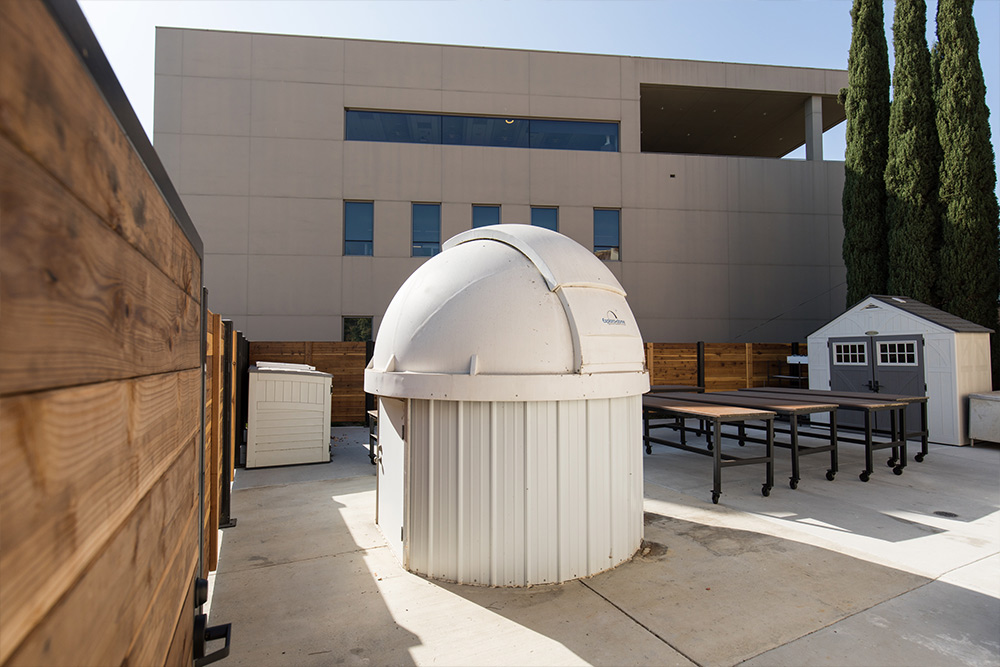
[100, 369]
[725, 365]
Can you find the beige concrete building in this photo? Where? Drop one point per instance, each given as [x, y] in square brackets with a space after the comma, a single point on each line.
[315, 169]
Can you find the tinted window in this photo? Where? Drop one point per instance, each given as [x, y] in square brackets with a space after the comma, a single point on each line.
[359, 219]
[607, 234]
[485, 215]
[409, 128]
[574, 135]
[425, 128]
[358, 329]
[545, 217]
[426, 230]
[484, 131]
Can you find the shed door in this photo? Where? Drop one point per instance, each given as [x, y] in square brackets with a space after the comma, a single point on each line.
[886, 364]
[391, 476]
[851, 370]
[899, 369]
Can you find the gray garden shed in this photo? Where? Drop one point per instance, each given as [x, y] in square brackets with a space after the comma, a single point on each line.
[901, 346]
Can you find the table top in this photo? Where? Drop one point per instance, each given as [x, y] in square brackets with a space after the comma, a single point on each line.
[670, 388]
[846, 394]
[859, 400]
[704, 410]
[777, 403]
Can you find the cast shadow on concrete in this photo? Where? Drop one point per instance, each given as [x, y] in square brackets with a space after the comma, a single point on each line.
[294, 581]
[927, 499]
[719, 596]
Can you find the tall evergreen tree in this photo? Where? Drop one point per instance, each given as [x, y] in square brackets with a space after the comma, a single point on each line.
[866, 101]
[911, 176]
[970, 257]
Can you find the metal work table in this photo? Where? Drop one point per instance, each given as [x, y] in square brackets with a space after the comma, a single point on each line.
[654, 407]
[868, 406]
[785, 407]
[674, 388]
[822, 394]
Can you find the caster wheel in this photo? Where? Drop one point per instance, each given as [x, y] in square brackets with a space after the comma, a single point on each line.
[830, 475]
[891, 462]
[715, 498]
[792, 484]
[766, 490]
[919, 458]
[864, 476]
[711, 446]
[649, 450]
[898, 470]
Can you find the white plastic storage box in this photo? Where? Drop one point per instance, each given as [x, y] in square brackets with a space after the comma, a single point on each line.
[288, 415]
[984, 416]
[510, 373]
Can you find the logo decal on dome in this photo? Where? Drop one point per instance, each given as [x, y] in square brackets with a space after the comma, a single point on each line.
[613, 320]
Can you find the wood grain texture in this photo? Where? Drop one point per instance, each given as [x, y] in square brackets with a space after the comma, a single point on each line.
[73, 466]
[52, 110]
[166, 610]
[80, 304]
[214, 444]
[94, 622]
[182, 644]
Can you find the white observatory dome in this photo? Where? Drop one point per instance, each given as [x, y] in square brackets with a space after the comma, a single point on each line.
[509, 312]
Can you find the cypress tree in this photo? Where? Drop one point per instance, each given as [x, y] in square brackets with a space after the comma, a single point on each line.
[911, 175]
[970, 257]
[866, 102]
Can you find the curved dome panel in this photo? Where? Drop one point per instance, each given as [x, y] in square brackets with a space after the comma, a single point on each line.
[509, 312]
[483, 300]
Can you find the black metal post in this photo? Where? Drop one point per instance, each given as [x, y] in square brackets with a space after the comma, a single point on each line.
[225, 490]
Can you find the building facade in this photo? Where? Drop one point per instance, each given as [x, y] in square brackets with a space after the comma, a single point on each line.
[321, 172]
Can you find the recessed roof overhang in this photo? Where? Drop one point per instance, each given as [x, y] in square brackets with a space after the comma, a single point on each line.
[727, 121]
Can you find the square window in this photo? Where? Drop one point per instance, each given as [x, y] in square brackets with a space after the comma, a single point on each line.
[483, 215]
[850, 354]
[426, 228]
[357, 329]
[547, 217]
[607, 233]
[359, 217]
[903, 353]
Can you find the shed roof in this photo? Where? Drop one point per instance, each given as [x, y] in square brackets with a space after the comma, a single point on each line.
[931, 314]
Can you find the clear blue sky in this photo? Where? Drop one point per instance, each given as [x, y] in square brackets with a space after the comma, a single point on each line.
[803, 33]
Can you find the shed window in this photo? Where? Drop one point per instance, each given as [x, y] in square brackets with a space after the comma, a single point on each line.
[850, 354]
[899, 353]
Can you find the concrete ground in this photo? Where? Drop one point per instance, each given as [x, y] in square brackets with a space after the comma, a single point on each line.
[897, 571]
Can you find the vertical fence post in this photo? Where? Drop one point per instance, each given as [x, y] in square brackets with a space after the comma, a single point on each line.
[701, 363]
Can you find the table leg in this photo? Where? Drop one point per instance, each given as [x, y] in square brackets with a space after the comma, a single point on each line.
[717, 471]
[793, 482]
[869, 464]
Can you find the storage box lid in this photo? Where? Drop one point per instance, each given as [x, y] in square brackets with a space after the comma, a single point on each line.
[509, 312]
[283, 367]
